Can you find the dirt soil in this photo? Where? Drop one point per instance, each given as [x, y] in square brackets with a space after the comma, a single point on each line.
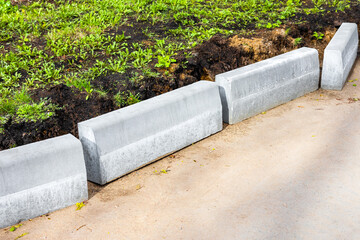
[217, 55]
[292, 173]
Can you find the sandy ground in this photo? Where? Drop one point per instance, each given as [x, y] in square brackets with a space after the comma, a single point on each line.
[291, 173]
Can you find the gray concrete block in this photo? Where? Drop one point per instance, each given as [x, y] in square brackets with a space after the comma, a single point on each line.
[339, 57]
[255, 88]
[124, 140]
[41, 177]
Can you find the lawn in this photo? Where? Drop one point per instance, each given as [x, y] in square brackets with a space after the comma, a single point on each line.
[62, 62]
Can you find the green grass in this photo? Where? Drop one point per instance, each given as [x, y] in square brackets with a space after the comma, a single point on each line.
[77, 34]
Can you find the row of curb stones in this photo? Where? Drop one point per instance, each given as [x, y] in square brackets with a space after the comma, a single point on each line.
[42, 177]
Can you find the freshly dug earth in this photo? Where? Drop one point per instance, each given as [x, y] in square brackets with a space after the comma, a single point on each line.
[217, 55]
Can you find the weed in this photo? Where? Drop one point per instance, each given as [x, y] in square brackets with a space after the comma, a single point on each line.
[123, 99]
[318, 35]
[36, 111]
[148, 73]
[117, 65]
[297, 41]
[164, 61]
[6, 7]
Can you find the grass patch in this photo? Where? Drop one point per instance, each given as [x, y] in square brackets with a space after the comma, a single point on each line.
[44, 44]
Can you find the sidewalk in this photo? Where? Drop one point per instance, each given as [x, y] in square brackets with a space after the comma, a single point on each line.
[290, 173]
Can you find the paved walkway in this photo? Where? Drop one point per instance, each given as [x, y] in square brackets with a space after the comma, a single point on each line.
[291, 173]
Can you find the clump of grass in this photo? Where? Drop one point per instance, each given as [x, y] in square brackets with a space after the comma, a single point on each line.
[20, 107]
[36, 111]
[123, 99]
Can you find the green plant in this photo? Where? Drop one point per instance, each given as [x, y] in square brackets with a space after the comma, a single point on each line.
[121, 37]
[6, 7]
[36, 111]
[123, 99]
[132, 99]
[136, 78]
[164, 61]
[10, 101]
[340, 5]
[141, 57]
[297, 41]
[148, 73]
[117, 65]
[318, 35]
[50, 72]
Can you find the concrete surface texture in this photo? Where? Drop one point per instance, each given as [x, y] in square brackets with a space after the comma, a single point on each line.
[339, 57]
[41, 177]
[124, 140]
[255, 88]
[292, 173]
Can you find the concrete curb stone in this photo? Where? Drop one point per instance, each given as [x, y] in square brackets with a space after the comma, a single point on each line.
[255, 88]
[124, 140]
[339, 57]
[41, 177]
